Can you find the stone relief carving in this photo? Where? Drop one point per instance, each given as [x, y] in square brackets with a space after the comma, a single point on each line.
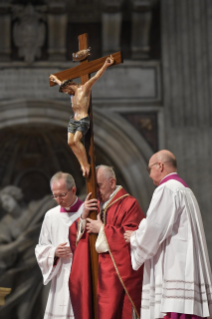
[29, 32]
[19, 231]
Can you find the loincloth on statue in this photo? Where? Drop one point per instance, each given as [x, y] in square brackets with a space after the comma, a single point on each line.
[82, 125]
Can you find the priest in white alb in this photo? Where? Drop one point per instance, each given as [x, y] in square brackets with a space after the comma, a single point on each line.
[57, 247]
[170, 242]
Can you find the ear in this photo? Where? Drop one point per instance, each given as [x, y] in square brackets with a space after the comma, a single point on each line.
[161, 167]
[74, 190]
[113, 183]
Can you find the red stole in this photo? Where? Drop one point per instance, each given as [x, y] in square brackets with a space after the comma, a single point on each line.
[80, 281]
[119, 286]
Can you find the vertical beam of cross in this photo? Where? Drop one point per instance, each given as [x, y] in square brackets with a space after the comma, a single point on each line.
[91, 181]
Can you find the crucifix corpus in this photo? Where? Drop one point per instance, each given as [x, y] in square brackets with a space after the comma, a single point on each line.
[82, 122]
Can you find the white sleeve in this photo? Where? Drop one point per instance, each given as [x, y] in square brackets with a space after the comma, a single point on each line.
[155, 228]
[81, 228]
[101, 244]
[45, 253]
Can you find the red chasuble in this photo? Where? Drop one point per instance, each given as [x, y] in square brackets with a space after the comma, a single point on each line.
[119, 286]
[80, 279]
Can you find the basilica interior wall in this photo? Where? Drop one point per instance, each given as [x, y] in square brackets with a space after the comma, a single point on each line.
[187, 86]
[158, 98]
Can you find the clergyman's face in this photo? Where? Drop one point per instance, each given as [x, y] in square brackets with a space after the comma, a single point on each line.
[8, 203]
[104, 186]
[63, 196]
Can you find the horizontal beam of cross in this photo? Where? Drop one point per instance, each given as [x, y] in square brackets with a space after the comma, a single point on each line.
[86, 68]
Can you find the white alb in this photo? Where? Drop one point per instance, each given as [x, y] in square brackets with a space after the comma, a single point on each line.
[171, 244]
[55, 230]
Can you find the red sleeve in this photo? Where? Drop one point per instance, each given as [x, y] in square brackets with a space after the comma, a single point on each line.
[129, 216]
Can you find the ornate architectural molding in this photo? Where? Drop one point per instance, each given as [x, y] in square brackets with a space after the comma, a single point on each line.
[141, 24]
[111, 25]
[57, 28]
[29, 32]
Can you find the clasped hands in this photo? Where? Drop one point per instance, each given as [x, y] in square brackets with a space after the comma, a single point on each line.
[63, 251]
[92, 226]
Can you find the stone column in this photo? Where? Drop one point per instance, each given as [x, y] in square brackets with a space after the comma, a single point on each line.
[57, 28]
[111, 26]
[141, 24]
[187, 86]
[5, 31]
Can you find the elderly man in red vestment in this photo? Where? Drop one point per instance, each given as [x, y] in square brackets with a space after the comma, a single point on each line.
[119, 286]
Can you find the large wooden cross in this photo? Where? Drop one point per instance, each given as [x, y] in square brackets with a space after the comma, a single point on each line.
[83, 71]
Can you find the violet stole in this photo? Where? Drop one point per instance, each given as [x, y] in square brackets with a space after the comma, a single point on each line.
[73, 209]
[175, 177]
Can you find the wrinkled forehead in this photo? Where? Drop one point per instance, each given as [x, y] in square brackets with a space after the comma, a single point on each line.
[101, 177]
[59, 184]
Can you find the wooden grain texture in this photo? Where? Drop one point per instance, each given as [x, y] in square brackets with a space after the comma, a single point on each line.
[83, 71]
[91, 181]
[85, 68]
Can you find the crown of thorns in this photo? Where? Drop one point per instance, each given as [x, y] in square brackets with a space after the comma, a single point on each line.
[65, 83]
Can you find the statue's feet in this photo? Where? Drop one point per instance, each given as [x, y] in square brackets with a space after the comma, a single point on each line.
[85, 170]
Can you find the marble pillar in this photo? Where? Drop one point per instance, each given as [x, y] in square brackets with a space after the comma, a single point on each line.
[111, 26]
[57, 28]
[141, 24]
[187, 86]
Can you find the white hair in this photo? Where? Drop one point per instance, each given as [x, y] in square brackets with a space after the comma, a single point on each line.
[68, 178]
[107, 170]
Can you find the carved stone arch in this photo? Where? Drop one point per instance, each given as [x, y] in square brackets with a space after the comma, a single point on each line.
[116, 137]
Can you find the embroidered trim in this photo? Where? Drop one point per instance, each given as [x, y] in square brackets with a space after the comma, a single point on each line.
[202, 292]
[114, 263]
[58, 316]
[189, 298]
[184, 289]
[189, 282]
[110, 204]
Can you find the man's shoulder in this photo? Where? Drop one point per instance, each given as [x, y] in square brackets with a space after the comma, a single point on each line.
[172, 185]
[52, 212]
[123, 194]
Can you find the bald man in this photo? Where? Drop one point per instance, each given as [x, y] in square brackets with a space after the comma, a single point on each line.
[171, 244]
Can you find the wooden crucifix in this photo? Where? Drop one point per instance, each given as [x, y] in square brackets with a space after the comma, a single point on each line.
[83, 71]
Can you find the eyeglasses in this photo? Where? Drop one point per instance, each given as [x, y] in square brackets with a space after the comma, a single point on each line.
[62, 195]
[150, 167]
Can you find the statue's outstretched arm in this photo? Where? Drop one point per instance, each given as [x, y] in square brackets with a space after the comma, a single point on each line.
[54, 79]
[108, 62]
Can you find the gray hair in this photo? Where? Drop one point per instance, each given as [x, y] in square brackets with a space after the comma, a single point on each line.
[68, 178]
[108, 171]
[13, 191]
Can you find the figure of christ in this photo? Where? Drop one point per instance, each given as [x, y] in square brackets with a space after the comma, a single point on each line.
[80, 122]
